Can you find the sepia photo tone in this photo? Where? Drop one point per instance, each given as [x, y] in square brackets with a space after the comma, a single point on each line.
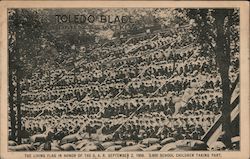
[124, 79]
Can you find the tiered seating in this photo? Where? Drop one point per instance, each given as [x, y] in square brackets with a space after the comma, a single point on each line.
[157, 86]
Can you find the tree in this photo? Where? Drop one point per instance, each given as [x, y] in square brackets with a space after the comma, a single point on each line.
[25, 33]
[216, 30]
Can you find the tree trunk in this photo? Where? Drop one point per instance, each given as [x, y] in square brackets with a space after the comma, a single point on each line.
[11, 105]
[18, 104]
[226, 109]
[18, 87]
[223, 61]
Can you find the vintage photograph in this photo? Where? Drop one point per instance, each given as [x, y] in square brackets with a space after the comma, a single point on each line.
[123, 79]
